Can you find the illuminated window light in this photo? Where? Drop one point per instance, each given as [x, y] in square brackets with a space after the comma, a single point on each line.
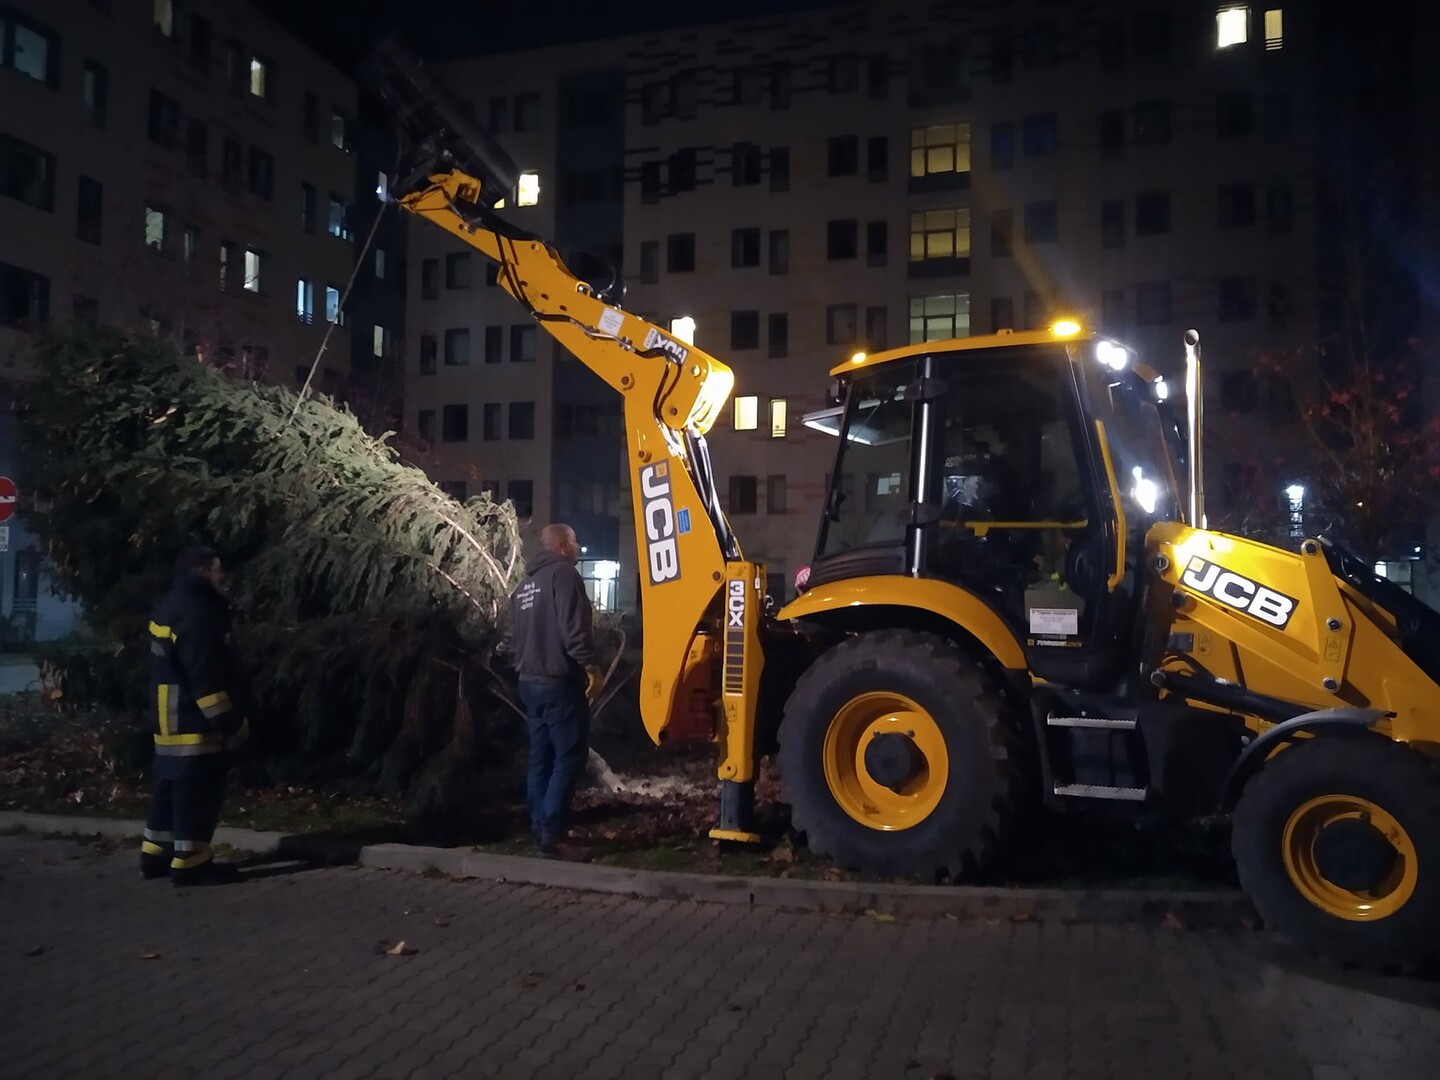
[1232, 27]
[747, 413]
[1274, 29]
[527, 192]
[777, 418]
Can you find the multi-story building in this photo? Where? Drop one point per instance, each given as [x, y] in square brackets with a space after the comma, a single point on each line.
[186, 166]
[808, 185]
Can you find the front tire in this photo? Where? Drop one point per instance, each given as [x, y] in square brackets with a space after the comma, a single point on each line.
[1337, 842]
[899, 758]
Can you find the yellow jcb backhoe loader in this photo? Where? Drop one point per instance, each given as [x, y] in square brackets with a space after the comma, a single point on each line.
[1013, 598]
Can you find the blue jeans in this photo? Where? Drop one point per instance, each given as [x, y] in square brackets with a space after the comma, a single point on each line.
[559, 719]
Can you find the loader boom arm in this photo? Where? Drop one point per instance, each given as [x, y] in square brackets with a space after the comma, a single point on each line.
[673, 393]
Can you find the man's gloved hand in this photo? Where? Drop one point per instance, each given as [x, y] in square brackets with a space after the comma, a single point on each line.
[594, 683]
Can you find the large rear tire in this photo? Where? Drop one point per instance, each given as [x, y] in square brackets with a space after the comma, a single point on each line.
[1337, 842]
[899, 757]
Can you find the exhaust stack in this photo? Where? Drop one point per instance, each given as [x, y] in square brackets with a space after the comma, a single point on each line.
[1195, 411]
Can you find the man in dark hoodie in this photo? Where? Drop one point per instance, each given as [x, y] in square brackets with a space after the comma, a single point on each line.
[559, 672]
[198, 725]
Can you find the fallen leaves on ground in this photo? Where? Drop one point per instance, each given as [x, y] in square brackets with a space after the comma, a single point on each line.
[149, 954]
[399, 949]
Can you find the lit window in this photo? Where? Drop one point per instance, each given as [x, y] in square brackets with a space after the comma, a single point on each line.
[380, 263]
[337, 129]
[165, 17]
[936, 318]
[305, 300]
[528, 191]
[154, 228]
[382, 186]
[747, 413]
[1274, 28]
[940, 148]
[939, 234]
[332, 305]
[258, 71]
[254, 265]
[380, 340]
[1232, 27]
[777, 418]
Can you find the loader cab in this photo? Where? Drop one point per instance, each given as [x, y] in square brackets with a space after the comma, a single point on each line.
[1023, 468]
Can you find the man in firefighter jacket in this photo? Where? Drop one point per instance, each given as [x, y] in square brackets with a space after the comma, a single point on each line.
[197, 724]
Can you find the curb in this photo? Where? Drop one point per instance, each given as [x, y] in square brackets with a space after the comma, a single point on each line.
[1178, 909]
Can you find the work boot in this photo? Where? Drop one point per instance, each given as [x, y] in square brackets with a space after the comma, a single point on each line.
[154, 866]
[207, 873]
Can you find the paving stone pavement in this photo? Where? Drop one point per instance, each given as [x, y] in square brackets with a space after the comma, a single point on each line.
[103, 974]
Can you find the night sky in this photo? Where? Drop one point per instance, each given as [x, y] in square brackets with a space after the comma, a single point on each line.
[343, 30]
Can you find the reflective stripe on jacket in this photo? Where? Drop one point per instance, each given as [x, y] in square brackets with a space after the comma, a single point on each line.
[190, 672]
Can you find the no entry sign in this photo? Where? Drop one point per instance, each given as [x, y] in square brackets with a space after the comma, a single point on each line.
[8, 498]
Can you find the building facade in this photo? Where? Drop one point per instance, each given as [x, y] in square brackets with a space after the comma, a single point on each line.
[815, 184]
[187, 167]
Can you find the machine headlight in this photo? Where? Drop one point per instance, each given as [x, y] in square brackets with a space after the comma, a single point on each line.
[1115, 357]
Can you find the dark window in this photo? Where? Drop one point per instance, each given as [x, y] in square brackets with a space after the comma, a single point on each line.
[1279, 211]
[522, 344]
[1234, 115]
[492, 274]
[1152, 123]
[1236, 203]
[429, 278]
[1277, 305]
[743, 493]
[89, 210]
[527, 112]
[840, 326]
[457, 270]
[745, 164]
[682, 170]
[649, 262]
[680, 253]
[1002, 58]
[232, 165]
[428, 352]
[1002, 232]
[24, 298]
[1112, 46]
[338, 226]
[1041, 139]
[875, 327]
[310, 117]
[307, 209]
[844, 74]
[494, 344]
[1238, 299]
[425, 425]
[490, 424]
[455, 423]
[780, 168]
[164, 120]
[196, 147]
[1002, 146]
[1152, 303]
[1002, 313]
[1275, 117]
[1036, 311]
[842, 239]
[843, 155]
[200, 48]
[522, 494]
[457, 347]
[779, 85]
[1152, 213]
[87, 309]
[877, 157]
[876, 243]
[1112, 223]
[29, 48]
[744, 330]
[456, 489]
[779, 334]
[1152, 33]
[1112, 134]
[1041, 47]
[27, 173]
[96, 93]
[780, 251]
[684, 90]
[775, 493]
[1042, 222]
[522, 420]
[261, 175]
[650, 181]
[744, 248]
[1112, 309]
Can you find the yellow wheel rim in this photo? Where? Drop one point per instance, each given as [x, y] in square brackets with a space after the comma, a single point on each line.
[859, 794]
[1298, 848]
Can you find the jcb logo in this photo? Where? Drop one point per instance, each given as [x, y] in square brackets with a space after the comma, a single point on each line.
[657, 509]
[1238, 592]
